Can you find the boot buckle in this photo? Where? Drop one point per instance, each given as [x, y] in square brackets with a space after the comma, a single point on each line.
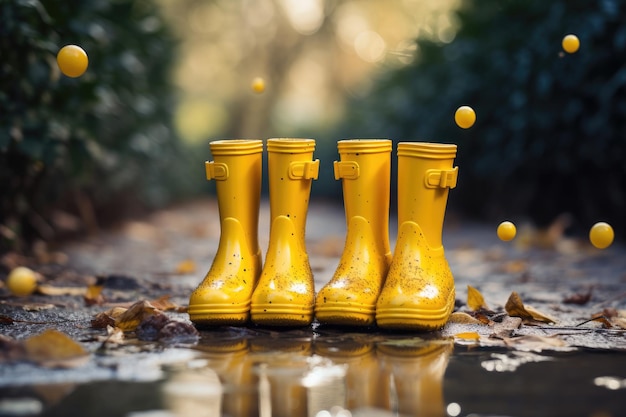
[304, 170]
[216, 170]
[346, 169]
[439, 178]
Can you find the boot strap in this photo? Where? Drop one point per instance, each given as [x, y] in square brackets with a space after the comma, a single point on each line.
[346, 169]
[216, 170]
[304, 170]
[441, 178]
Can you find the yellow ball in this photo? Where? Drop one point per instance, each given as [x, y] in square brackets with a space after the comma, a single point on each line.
[258, 85]
[506, 231]
[601, 235]
[465, 117]
[72, 61]
[570, 44]
[22, 281]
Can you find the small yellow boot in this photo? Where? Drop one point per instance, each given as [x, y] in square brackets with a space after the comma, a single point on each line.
[419, 289]
[285, 293]
[350, 296]
[223, 297]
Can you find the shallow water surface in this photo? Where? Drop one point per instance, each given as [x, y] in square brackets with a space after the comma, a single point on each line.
[331, 372]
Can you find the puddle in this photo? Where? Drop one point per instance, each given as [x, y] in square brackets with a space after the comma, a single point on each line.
[333, 373]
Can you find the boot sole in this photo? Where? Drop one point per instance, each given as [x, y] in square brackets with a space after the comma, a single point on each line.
[346, 314]
[411, 318]
[286, 315]
[219, 315]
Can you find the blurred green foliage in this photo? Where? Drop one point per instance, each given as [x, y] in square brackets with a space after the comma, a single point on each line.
[551, 127]
[94, 146]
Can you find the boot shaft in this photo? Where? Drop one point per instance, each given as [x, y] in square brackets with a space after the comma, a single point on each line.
[365, 171]
[236, 169]
[425, 176]
[291, 171]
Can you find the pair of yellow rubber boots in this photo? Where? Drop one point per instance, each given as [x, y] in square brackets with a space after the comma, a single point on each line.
[414, 289]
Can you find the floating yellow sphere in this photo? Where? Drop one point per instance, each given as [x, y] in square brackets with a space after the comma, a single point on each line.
[506, 231]
[72, 61]
[601, 235]
[22, 281]
[258, 85]
[570, 44]
[465, 117]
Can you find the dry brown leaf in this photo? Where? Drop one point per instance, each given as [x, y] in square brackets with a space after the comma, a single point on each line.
[475, 300]
[130, 319]
[164, 304]
[56, 291]
[507, 327]
[463, 318]
[55, 349]
[619, 322]
[515, 308]
[580, 298]
[186, 266]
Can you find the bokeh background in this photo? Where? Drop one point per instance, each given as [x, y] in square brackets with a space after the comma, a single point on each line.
[166, 77]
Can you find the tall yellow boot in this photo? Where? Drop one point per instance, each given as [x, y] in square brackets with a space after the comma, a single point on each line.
[350, 296]
[419, 289]
[223, 297]
[285, 293]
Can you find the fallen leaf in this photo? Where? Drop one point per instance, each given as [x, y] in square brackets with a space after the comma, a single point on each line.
[164, 304]
[515, 308]
[178, 332]
[532, 343]
[468, 335]
[600, 319]
[54, 349]
[115, 336]
[580, 298]
[93, 294]
[463, 318]
[475, 300]
[37, 306]
[619, 322]
[102, 321]
[507, 327]
[186, 266]
[57, 291]
[131, 318]
[149, 328]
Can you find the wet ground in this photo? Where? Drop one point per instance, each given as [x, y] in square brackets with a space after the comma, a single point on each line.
[484, 363]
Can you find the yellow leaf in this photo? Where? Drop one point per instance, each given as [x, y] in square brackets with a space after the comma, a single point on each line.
[187, 266]
[463, 318]
[468, 335]
[55, 349]
[52, 290]
[163, 303]
[475, 300]
[130, 319]
[515, 308]
[93, 295]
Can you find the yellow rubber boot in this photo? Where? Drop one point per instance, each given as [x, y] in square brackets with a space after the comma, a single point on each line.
[419, 289]
[285, 293]
[350, 296]
[223, 297]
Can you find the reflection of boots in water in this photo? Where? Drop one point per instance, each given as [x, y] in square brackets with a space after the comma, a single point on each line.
[223, 297]
[284, 295]
[419, 289]
[359, 358]
[413, 376]
[230, 359]
[281, 364]
[349, 298]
